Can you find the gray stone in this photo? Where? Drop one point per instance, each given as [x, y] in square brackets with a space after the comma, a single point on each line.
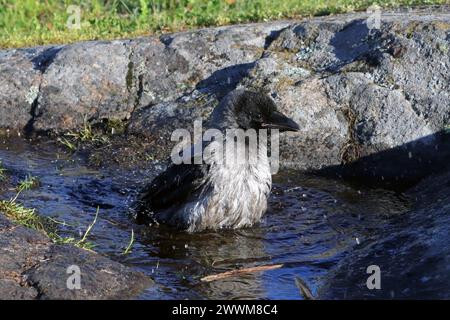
[32, 267]
[84, 81]
[19, 86]
[101, 278]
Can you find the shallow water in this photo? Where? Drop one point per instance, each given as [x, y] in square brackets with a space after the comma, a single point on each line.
[311, 226]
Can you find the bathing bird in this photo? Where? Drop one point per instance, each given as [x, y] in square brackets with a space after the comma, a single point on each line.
[219, 193]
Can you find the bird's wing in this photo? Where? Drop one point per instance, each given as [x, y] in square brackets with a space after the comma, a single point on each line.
[173, 185]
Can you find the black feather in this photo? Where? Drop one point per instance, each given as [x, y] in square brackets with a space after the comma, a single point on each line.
[172, 187]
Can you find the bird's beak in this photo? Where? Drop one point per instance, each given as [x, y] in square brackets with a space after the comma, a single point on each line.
[279, 121]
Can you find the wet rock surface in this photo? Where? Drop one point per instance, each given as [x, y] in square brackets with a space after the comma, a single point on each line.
[32, 267]
[412, 254]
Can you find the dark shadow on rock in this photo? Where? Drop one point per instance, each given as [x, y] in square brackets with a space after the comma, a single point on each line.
[45, 58]
[350, 42]
[166, 39]
[355, 42]
[223, 81]
[40, 62]
[411, 251]
[273, 35]
[400, 167]
[410, 268]
[29, 127]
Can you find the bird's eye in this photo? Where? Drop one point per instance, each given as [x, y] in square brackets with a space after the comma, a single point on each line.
[257, 116]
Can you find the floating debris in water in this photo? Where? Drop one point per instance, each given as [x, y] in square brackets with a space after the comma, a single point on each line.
[304, 290]
[232, 273]
[292, 189]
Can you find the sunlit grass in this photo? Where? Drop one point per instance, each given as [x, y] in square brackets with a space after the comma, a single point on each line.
[85, 134]
[30, 182]
[73, 139]
[30, 22]
[28, 217]
[23, 216]
[130, 244]
[81, 243]
[67, 143]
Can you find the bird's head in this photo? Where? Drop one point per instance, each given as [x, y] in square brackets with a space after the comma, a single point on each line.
[251, 110]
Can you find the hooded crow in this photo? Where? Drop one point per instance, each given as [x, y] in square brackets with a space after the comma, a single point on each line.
[219, 194]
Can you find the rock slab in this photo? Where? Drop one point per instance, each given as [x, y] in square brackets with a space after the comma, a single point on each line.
[32, 267]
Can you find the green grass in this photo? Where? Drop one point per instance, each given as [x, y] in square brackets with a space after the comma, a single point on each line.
[67, 143]
[86, 134]
[23, 216]
[130, 244]
[73, 139]
[81, 243]
[28, 217]
[28, 183]
[31, 22]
